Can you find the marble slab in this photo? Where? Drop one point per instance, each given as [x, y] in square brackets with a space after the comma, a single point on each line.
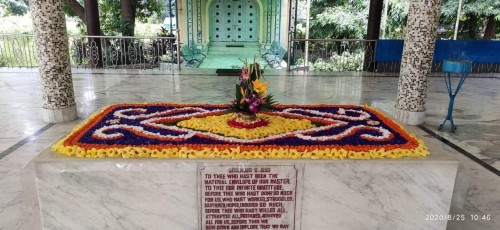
[78, 193]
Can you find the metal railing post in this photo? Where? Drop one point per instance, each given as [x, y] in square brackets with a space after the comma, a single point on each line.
[289, 54]
[178, 37]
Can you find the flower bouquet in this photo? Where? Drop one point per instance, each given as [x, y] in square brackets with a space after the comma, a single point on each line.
[251, 97]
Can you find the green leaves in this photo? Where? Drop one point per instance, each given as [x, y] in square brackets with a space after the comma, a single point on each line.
[338, 18]
[13, 7]
[239, 95]
[254, 71]
[477, 7]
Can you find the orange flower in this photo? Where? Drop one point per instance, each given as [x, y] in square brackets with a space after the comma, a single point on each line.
[260, 87]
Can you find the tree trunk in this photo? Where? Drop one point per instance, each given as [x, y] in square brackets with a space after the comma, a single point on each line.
[472, 26]
[489, 31]
[94, 29]
[128, 15]
[372, 33]
[77, 9]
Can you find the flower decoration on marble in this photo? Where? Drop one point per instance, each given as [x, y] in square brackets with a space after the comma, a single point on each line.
[205, 131]
[251, 96]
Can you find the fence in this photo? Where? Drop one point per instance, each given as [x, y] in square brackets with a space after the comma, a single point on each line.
[112, 52]
[17, 51]
[330, 54]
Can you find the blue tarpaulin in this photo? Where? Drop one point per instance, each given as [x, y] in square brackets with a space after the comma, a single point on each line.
[477, 51]
[389, 50]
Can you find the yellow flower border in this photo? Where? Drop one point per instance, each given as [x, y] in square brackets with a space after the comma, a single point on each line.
[236, 152]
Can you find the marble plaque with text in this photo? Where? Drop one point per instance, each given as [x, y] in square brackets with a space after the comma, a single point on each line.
[250, 197]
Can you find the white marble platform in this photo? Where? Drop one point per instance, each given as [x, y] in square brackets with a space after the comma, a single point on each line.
[163, 194]
[478, 127]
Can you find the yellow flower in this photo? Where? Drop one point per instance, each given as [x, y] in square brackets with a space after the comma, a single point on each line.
[80, 152]
[111, 152]
[101, 153]
[275, 153]
[246, 154]
[205, 153]
[294, 154]
[226, 154]
[363, 155]
[335, 154]
[306, 154]
[144, 152]
[381, 153]
[259, 154]
[120, 152]
[375, 154]
[393, 154]
[164, 153]
[421, 152]
[238, 156]
[342, 153]
[173, 153]
[352, 155]
[183, 152]
[260, 87]
[284, 153]
[71, 150]
[325, 154]
[315, 154]
[155, 153]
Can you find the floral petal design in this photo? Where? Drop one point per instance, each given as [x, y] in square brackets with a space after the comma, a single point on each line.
[202, 131]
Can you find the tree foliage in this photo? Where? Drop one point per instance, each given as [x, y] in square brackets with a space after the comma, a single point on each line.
[476, 7]
[397, 13]
[112, 20]
[477, 17]
[338, 18]
[13, 7]
[348, 18]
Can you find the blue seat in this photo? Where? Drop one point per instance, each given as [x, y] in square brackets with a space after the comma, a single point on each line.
[454, 66]
[457, 66]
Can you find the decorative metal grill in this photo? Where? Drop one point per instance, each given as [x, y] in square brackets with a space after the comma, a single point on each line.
[111, 52]
[269, 20]
[199, 32]
[17, 51]
[331, 54]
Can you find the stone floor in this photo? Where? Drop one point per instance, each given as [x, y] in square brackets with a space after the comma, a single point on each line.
[477, 114]
[220, 56]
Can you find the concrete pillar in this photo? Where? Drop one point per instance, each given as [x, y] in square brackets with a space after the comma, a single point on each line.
[420, 39]
[51, 41]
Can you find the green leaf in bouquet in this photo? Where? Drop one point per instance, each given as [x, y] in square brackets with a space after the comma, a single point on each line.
[239, 96]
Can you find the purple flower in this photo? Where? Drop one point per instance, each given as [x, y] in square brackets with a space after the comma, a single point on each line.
[253, 104]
